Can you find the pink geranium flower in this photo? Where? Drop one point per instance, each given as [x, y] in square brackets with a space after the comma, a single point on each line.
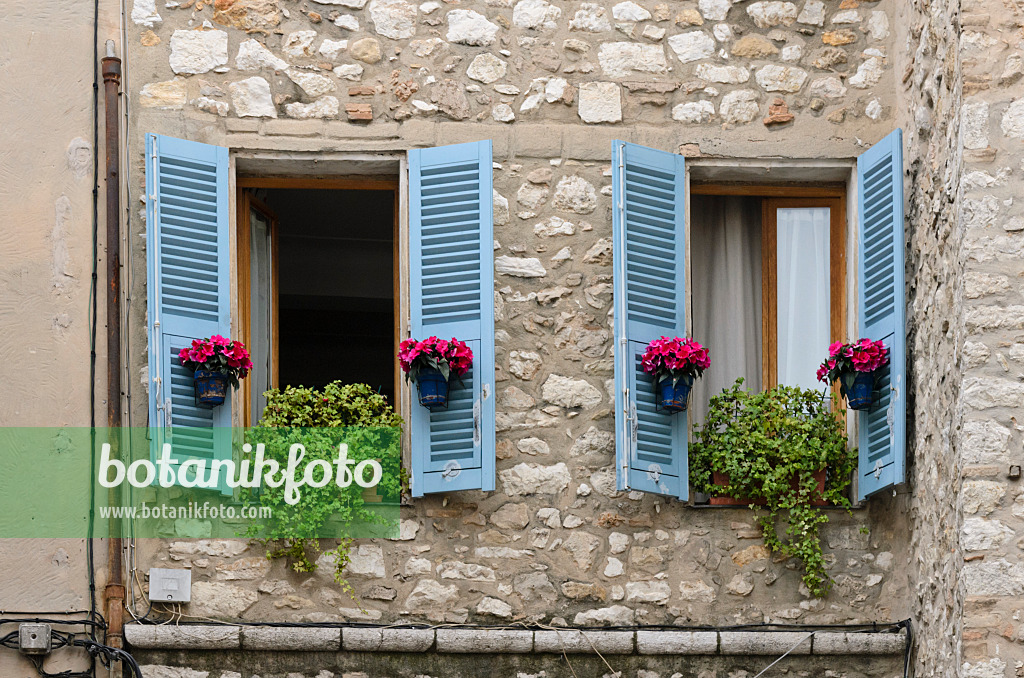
[674, 358]
[444, 354]
[217, 354]
[863, 355]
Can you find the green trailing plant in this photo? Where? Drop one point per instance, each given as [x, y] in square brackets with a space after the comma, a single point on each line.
[354, 414]
[770, 445]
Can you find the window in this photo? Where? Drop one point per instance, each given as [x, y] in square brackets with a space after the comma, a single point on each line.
[318, 267]
[764, 271]
[313, 280]
[317, 292]
[768, 277]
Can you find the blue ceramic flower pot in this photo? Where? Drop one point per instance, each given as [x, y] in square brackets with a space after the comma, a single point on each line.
[858, 389]
[211, 387]
[433, 388]
[672, 397]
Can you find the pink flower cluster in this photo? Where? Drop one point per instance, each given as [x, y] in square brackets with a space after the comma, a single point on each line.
[217, 354]
[675, 357]
[414, 355]
[863, 355]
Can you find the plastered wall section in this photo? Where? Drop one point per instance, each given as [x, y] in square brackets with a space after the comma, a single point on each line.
[551, 84]
[46, 183]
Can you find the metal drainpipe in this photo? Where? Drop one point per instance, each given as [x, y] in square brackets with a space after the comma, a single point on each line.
[115, 591]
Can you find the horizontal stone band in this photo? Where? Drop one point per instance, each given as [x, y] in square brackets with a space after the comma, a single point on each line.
[504, 641]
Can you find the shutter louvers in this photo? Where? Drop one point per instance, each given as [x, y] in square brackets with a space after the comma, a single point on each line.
[451, 284]
[649, 232]
[187, 248]
[882, 444]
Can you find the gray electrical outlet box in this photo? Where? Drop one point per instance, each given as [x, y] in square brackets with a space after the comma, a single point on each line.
[170, 586]
[34, 638]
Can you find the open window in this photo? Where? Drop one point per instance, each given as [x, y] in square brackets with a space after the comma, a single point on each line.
[314, 275]
[767, 282]
[318, 290]
[768, 278]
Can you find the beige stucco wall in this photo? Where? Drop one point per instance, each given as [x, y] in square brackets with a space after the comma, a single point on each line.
[46, 183]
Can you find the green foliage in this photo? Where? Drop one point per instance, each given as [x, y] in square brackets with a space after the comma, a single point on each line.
[354, 414]
[770, 444]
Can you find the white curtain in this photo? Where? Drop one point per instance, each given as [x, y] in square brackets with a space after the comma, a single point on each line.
[803, 293]
[725, 256]
[260, 311]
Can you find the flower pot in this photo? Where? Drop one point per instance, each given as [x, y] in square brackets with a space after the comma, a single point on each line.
[211, 387]
[722, 479]
[672, 397]
[858, 389]
[433, 388]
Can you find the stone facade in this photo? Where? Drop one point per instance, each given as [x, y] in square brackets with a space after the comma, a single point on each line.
[552, 83]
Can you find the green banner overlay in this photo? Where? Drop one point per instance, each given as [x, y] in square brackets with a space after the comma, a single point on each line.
[263, 483]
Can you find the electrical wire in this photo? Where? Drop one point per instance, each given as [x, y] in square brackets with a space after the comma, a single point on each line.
[62, 639]
[93, 319]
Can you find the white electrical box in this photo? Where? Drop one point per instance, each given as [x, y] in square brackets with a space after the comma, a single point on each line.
[170, 586]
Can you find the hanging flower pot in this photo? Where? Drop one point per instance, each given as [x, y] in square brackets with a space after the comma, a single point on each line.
[857, 388]
[211, 387]
[433, 363]
[433, 388]
[215, 362]
[855, 367]
[673, 393]
[674, 364]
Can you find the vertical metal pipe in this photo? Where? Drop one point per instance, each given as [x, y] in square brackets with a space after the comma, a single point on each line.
[115, 590]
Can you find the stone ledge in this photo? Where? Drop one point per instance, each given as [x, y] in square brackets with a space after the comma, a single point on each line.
[752, 642]
[295, 638]
[578, 641]
[858, 643]
[484, 640]
[510, 641]
[191, 637]
[363, 639]
[677, 642]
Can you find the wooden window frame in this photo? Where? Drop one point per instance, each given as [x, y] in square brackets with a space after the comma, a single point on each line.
[245, 201]
[774, 196]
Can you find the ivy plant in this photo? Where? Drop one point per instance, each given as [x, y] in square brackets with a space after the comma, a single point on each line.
[770, 445]
[321, 419]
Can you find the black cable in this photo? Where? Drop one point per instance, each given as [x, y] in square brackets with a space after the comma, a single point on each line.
[908, 625]
[96, 621]
[93, 318]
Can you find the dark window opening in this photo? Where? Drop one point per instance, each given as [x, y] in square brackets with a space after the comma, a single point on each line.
[336, 290]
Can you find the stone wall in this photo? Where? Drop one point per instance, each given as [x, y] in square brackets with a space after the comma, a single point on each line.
[552, 84]
[928, 62]
[991, 501]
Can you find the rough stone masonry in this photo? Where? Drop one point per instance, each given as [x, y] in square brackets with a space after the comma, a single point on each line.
[552, 83]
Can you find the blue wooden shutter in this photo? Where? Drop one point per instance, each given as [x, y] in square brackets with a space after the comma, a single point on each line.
[187, 250]
[649, 230]
[451, 282]
[882, 312]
